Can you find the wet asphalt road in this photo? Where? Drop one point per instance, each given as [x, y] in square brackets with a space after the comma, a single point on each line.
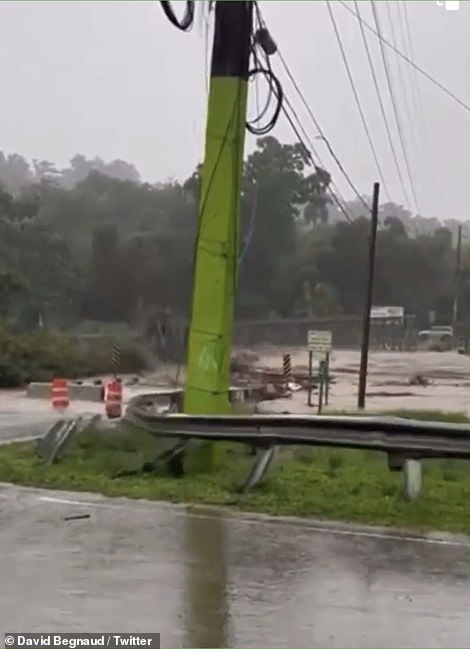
[209, 580]
[22, 418]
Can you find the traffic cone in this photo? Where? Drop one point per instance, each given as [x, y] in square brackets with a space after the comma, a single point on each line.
[60, 394]
[113, 401]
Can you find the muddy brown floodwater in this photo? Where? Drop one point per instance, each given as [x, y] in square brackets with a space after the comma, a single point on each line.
[388, 385]
[208, 579]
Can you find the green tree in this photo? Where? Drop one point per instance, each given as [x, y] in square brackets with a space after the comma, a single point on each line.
[274, 189]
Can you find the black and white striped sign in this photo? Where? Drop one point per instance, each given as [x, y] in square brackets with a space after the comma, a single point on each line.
[287, 368]
[116, 358]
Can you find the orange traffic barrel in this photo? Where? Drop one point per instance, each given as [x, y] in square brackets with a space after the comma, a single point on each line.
[113, 401]
[60, 394]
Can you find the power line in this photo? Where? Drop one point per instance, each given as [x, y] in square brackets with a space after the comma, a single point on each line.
[394, 105]
[314, 119]
[355, 94]
[401, 79]
[320, 130]
[276, 90]
[416, 89]
[408, 46]
[382, 107]
[334, 193]
[418, 68]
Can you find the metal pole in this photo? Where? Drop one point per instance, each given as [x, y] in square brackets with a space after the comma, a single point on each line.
[310, 377]
[361, 396]
[458, 264]
[327, 378]
[321, 377]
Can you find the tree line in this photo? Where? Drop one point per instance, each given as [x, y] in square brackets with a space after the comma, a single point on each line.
[93, 242]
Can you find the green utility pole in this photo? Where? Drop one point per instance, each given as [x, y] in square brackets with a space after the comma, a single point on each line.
[210, 333]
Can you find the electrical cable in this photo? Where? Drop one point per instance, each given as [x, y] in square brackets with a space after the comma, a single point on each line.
[308, 154]
[418, 68]
[408, 47]
[185, 23]
[254, 204]
[322, 134]
[406, 44]
[276, 88]
[415, 129]
[274, 85]
[356, 95]
[414, 82]
[206, 52]
[409, 52]
[401, 79]
[309, 157]
[394, 104]
[317, 125]
[382, 107]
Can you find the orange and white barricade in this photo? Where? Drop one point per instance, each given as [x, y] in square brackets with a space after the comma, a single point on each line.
[113, 399]
[60, 394]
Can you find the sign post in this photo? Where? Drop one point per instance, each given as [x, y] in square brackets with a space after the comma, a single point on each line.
[319, 347]
[327, 378]
[321, 376]
[310, 378]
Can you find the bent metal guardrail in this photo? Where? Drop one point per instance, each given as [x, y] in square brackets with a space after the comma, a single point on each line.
[417, 439]
[404, 441]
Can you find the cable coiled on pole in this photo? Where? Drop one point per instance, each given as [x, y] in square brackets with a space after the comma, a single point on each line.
[275, 88]
[186, 22]
[263, 44]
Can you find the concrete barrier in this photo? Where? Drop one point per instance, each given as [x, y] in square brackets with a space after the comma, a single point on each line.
[77, 392]
[173, 397]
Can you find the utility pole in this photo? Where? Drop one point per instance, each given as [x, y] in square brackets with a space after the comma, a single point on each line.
[216, 261]
[361, 396]
[458, 270]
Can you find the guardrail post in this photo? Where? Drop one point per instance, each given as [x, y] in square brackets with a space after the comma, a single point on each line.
[413, 479]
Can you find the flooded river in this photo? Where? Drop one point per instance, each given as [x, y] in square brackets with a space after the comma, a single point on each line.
[206, 579]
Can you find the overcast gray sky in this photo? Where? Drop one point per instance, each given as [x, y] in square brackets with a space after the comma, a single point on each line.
[115, 79]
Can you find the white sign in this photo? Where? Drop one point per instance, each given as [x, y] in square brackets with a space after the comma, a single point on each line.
[319, 342]
[387, 312]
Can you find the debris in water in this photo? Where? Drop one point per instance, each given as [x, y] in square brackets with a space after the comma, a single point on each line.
[418, 379]
[77, 517]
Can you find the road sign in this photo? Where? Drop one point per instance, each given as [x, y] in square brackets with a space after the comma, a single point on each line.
[387, 313]
[319, 342]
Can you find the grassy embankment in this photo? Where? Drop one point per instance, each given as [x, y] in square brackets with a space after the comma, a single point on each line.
[321, 483]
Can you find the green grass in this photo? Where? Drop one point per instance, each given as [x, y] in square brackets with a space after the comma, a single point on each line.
[321, 483]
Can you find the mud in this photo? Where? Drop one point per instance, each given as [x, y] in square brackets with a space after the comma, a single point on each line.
[447, 375]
